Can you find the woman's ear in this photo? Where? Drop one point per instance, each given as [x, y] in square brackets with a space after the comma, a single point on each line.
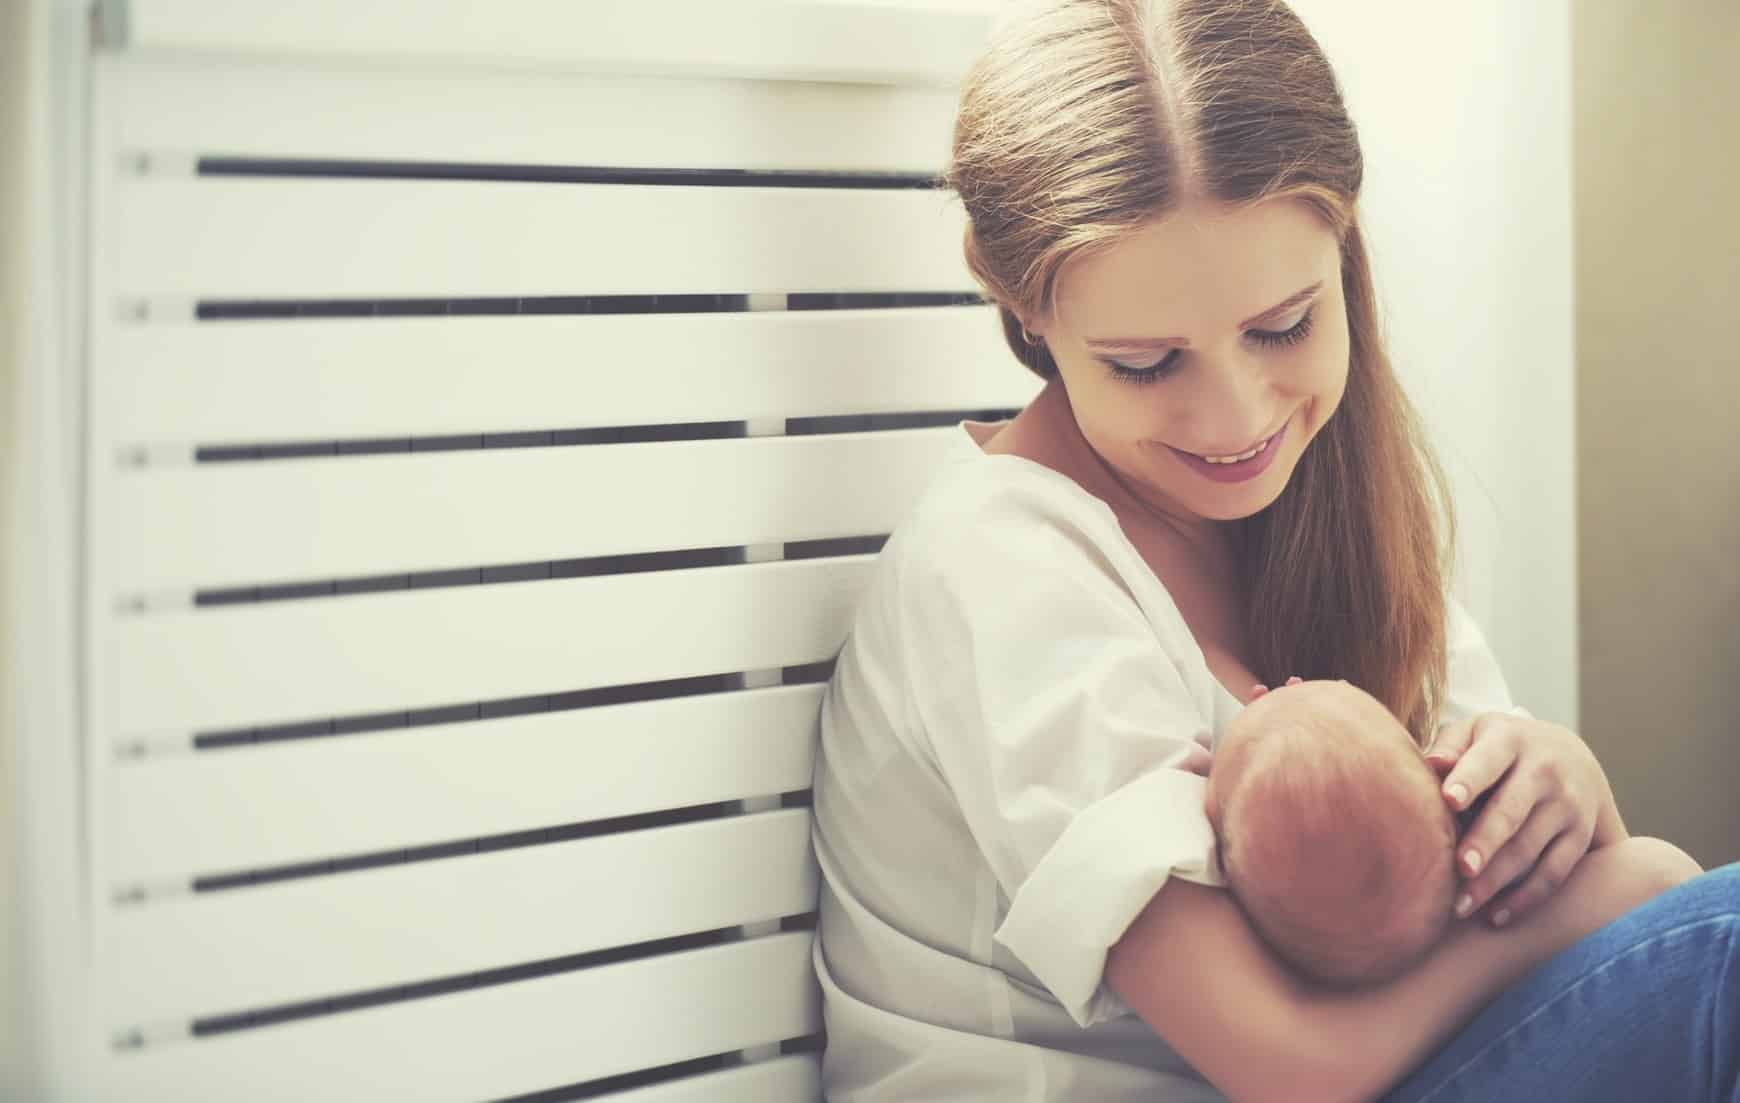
[1032, 329]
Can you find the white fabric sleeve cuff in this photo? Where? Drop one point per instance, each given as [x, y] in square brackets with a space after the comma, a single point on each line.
[1099, 875]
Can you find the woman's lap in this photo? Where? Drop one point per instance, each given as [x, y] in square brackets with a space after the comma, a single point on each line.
[1647, 1007]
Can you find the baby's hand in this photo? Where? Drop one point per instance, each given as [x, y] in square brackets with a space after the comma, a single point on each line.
[1197, 760]
[1259, 689]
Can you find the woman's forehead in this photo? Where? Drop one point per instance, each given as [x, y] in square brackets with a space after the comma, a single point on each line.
[1197, 272]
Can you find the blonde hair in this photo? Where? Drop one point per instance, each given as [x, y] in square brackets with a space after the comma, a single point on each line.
[1085, 120]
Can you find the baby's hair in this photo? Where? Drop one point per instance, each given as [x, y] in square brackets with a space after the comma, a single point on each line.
[1365, 837]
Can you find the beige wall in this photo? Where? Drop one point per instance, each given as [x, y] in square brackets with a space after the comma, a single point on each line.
[13, 38]
[1657, 182]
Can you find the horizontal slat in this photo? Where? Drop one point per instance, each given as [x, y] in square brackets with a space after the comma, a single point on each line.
[266, 108]
[793, 1079]
[503, 1040]
[175, 672]
[286, 942]
[296, 800]
[855, 40]
[331, 517]
[264, 381]
[236, 238]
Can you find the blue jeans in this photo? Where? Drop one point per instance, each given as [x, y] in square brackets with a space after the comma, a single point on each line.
[1645, 1009]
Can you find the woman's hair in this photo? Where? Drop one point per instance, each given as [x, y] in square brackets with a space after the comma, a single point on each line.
[1087, 119]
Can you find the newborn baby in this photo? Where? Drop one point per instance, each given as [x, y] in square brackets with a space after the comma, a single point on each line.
[1332, 834]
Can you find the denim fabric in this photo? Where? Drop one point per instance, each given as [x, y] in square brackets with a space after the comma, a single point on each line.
[1645, 1009]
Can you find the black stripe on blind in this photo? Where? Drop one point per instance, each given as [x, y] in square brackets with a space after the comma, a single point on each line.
[592, 566]
[562, 438]
[566, 174]
[488, 978]
[512, 840]
[498, 708]
[229, 1023]
[592, 1089]
[662, 1074]
[549, 438]
[236, 310]
[483, 844]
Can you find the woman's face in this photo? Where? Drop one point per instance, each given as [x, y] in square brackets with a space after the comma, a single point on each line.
[1206, 334]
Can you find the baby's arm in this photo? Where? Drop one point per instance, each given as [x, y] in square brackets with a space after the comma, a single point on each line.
[1474, 963]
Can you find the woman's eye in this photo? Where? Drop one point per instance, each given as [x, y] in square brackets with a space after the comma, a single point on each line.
[1144, 373]
[1160, 369]
[1293, 334]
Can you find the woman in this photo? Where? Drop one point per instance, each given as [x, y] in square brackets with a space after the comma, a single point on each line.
[1220, 484]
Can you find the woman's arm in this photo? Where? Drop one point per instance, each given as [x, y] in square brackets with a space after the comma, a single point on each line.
[1609, 826]
[1192, 968]
[1394, 1028]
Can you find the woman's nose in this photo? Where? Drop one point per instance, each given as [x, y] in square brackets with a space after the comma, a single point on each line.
[1232, 406]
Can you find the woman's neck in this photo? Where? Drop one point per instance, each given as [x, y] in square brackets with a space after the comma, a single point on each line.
[1200, 536]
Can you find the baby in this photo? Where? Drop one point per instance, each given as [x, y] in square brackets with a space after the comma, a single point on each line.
[1332, 834]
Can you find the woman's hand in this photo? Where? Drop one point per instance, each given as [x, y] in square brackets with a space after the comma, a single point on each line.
[1540, 821]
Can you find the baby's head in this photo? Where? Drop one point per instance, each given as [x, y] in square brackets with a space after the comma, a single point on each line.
[1332, 833]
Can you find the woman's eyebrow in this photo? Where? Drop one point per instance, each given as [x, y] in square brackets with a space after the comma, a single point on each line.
[1161, 342]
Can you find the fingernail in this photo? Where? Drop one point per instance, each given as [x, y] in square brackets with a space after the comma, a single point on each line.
[1459, 794]
[1472, 858]
[1464, 905]
[1500, 917]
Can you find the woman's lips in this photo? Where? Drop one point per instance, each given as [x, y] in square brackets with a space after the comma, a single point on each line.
[1243, 469]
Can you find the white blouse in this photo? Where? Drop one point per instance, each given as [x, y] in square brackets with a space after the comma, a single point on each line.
[1000, 791]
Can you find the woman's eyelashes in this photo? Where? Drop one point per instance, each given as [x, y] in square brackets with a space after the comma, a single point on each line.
[1160, 369]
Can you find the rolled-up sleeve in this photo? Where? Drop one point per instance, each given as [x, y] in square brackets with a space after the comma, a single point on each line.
[1061, 724]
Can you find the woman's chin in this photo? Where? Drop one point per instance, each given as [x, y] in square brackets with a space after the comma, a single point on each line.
[1239, 513]
[1236, 501]
[1239, 501]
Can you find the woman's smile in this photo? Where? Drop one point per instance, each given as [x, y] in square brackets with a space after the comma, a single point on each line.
[1239, 466]
[1234, 456]
[1236, 471]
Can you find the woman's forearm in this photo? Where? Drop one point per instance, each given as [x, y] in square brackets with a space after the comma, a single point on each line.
[1609, 827]
[1387, 1031]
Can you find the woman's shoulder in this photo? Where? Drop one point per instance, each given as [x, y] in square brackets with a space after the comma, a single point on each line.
[1016, 554]
[986, 508]
[1001, 532]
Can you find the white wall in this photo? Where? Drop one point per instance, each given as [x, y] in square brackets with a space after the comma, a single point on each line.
[1465, 118]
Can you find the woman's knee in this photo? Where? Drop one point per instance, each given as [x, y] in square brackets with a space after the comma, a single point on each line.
[1660, 883]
